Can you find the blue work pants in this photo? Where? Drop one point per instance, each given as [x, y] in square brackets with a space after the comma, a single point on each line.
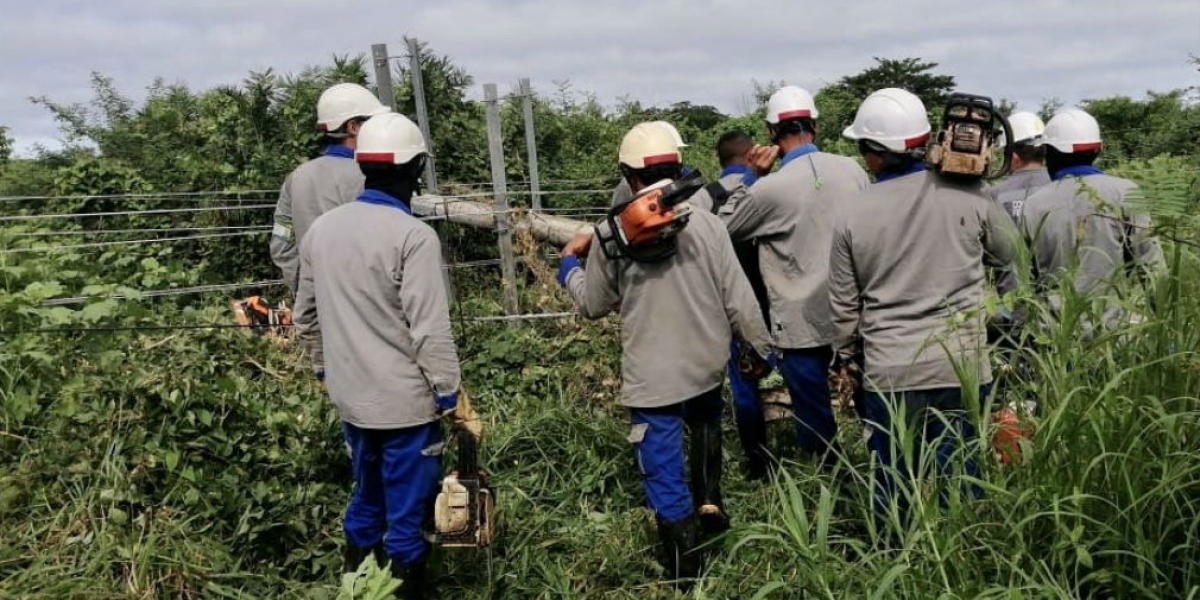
[658, 442]
[936, 420]
[396, 474]
[806, 373]
[748, 414]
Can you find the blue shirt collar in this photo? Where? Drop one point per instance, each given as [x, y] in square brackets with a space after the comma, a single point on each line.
[734, 170]
[339, 151]
[1078, 171]
[916, 167]
[797, 153]
[382, 199]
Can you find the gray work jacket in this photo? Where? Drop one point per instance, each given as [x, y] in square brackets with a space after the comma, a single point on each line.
[314, 188]
[371, 285]
[906, 278]
[1086, 224]
[790, 214]
[678, 315]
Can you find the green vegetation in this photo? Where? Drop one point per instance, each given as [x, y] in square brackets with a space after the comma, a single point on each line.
[138, 462]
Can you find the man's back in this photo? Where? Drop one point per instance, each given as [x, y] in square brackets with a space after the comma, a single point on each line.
[382, 309]
[911, 251]
[314, 188]
[1086, 222]
[678, 314]
[791, 215]
[1012, 192]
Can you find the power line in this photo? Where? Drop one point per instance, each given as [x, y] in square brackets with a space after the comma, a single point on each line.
[181, 291]
[143, 195]
[160, 211]
[90, 232]
[201, 326]
[129, 242]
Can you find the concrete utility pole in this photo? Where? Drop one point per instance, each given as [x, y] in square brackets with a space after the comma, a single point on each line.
[414, 67]
[383, 76]
[508, 268]
[535, 185]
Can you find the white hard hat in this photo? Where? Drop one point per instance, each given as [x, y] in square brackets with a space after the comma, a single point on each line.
[346, 101]
[646, 145]
[790, 102]
[671, 130]
[391, 139]
[1027, 127]
[1071, 131]
[893, 118]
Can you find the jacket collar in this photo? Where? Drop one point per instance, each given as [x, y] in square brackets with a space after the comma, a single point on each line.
[339, 151]
[382, 199]
[1078, 171]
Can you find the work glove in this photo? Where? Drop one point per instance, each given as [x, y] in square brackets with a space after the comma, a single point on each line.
[754, 366]
[569, 263]
[456, 408]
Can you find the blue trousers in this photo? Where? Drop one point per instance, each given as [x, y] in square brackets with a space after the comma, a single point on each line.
[806, 373]
[396, 474]
[937, 421]
[658, 445]
[748, 413]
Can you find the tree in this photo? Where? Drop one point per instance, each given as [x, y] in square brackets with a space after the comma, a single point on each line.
[6, 144]
[906, 73]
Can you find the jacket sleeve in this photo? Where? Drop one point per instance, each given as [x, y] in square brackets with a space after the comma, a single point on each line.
[748, 215]
[285, 252]
[845, 299]
[427, 310]
[741, 306]
[308, 323]
[594, 289]
[1000, 235]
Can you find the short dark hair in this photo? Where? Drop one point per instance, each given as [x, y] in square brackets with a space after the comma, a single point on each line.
[1030, 153]
[733, 145]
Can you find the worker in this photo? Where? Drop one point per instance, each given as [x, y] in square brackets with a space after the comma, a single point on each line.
[325, 182]
[682, 299]
[906, 282]
[622, 193]
[370, 283]
[733, 149]
[1026, 174]
[1082, 225]
[789, 214]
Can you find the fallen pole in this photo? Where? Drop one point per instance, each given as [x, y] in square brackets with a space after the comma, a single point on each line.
[546, 228]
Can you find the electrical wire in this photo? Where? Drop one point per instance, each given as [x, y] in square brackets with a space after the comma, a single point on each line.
[120, 213]
[179, 291]
[129, 242]
[91, 232]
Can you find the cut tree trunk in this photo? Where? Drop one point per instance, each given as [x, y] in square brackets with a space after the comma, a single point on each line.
[546, 228]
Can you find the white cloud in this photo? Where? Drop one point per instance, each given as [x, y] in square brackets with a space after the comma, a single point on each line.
[705, 52]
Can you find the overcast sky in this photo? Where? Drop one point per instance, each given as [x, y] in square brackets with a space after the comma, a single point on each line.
[656, 52]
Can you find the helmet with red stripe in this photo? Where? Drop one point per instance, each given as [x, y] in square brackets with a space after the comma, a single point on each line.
[789, 103]
[892, 118]
[389, 138]
[1072, 131]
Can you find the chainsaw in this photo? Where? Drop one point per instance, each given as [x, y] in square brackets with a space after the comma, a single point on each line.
[970, 128]
[644, 228]
[465, 507]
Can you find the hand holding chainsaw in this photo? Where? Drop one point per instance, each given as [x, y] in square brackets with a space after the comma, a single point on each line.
[456, 407]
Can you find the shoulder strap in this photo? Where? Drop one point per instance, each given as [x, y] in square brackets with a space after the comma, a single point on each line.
[719, 195]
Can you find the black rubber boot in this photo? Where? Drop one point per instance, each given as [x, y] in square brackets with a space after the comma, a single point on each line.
[412, 578]
[353, 556]
[706, 466]
[680, 558]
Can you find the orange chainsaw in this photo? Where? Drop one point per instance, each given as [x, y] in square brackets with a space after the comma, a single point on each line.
[644, 228]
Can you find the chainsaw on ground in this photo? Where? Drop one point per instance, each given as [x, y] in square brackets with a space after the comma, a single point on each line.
[464, 511]
[261, 316]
